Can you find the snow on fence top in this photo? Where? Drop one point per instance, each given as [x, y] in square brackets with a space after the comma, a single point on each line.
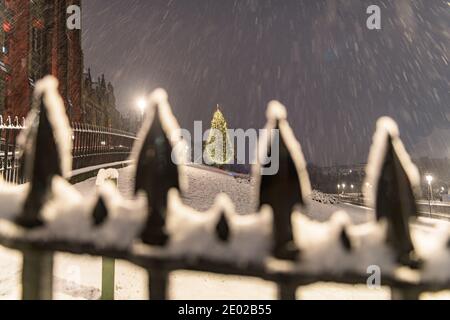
[46, 96]
[387, 132]
[105, 175]
[158, 231]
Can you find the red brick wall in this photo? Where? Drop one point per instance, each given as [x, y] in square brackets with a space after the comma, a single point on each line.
[60, 48]
[75, 68]
[18, 93]
[65, 57]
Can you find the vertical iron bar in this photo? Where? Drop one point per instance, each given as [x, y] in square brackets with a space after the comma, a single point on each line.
[286, 291]
[108, 278]
[405, 294]
[37, 275]
[5, 161]
[158, 284]
[108, 270]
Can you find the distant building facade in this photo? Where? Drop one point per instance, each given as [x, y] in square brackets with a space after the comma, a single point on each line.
[34, 42]
[99, 102]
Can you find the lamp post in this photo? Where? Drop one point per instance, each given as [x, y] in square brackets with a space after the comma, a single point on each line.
[429, 179]
[339, 192]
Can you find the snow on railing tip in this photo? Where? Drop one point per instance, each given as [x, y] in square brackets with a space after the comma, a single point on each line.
[47, 89]
[289, 179]
[390, 184]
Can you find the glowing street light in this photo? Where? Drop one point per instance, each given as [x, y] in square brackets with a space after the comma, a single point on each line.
[141, 103]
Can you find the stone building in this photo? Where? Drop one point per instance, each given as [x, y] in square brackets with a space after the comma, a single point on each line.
[34, 42]
[99, 102]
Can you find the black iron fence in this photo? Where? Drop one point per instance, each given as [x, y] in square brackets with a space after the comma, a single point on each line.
[9, 156]
[92, 145]
[228, 245]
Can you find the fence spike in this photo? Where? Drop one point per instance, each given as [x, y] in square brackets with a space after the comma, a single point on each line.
[394, 198]
[156, 174]
[42, 163]
[291, 180]
[345, 240]
[100, 211]
[223, 228]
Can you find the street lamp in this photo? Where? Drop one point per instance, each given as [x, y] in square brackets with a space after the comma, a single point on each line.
[141, 103]
[339, 191]
[429, 179]
[343, 188]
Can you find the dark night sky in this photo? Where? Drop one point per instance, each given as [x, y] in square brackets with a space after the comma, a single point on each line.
[317, 57]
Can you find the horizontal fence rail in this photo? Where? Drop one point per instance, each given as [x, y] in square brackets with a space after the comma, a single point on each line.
[92, 145]
[162, 234]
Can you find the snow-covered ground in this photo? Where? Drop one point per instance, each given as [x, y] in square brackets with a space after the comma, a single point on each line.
[79, 277]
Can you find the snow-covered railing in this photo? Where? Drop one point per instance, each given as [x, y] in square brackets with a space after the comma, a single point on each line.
[9, 160]
[92, 145]
[160, 233]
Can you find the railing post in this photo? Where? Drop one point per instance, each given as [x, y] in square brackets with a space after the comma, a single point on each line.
[43, 162]
[37, 275]
[286, 291]
[158, 284]
[394, 193]
[405, 294]
[291, 180]
[108, 278]
[108, 264]
[156, 174]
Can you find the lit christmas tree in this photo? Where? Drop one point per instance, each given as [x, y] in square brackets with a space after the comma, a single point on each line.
[219, 148]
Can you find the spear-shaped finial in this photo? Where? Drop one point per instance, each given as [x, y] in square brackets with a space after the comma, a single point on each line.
[156, 174]
[100, 212]
[222, 228]
[345, 240]
[393, 175]
[44, 157]
[284, 180]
